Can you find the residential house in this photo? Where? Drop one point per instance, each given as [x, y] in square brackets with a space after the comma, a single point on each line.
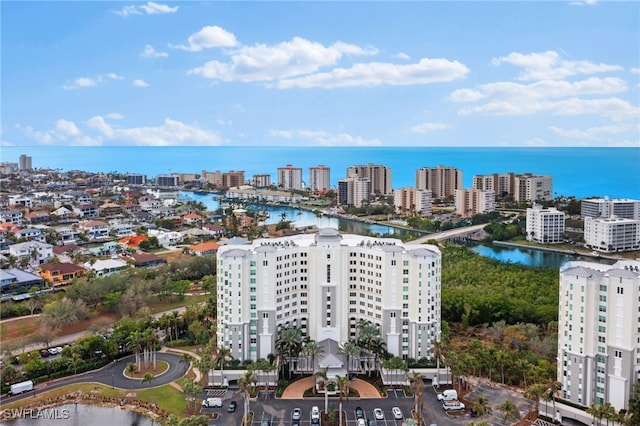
[166, 238]
[63, 213]
[94, 228]
[192, 219]
[57, 274]
[37, 252]
[149, 203]
[30, 234]
[133, 240]
[148, 260]
[122, 229]
[110, 210]
[215, 230]
[16, 281]
[86, 211]
[203, 249]
[67, 235]
[102, 268]
[38, 217]
[13, 216]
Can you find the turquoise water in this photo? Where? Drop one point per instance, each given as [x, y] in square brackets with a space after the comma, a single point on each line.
[580, 172]
[529, 257]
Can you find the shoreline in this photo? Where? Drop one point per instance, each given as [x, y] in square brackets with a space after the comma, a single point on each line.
[554, 250]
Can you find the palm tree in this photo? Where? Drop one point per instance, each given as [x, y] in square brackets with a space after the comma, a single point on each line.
[502, 357]
[510, 411]
[524, 365]
[289, 342]
[75, 361]
[480, 406]
[351, 350]
[417, 387]
[597, 411]
[312, 349]
[131, 370]
[147, 378]
[192, 388]
[343, 387]
[246, 384]
[608, 412]
[534, 392]
[555, 387]
[367, 335]
[223, 354]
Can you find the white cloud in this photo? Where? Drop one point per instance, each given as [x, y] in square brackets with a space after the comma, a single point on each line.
[583, 3]
[140, 83]
[150, 52]
[427, 127]
[150, 8]
[208, 37]
[635, 70]
[287, 59]
[322, 138]
[402, 55]
[375, 73]
[43, 137]
[84, 82]
[115, 116]
[549, 66]
[594, 133]
[66, 129]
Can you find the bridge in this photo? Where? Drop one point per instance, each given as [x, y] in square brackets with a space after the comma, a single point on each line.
[466, 232]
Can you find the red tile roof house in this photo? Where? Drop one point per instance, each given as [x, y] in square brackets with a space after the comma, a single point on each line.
[134, 240]
[60, 273]
[203, 249]
[192, 218]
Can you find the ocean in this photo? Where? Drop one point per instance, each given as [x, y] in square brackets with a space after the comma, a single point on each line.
[579, 172]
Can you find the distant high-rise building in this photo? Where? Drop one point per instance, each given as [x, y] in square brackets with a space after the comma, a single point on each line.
[604, 207]
[25, 162]
[354, 191]
[545, 226]
[167, 180]
[319, 178]
[529, 188]
[220, 179]
[442, 181]
[612, 234]
[379, 176]
[474, 201]
[413, 201]
[500, 184]
[598, 332]
[290, 177]
[261, 181]
[136, 179]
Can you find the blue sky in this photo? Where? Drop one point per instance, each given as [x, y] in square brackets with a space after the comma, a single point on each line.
[419, 73]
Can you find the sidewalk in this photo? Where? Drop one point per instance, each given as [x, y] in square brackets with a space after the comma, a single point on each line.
[196, 371]
[296, 389]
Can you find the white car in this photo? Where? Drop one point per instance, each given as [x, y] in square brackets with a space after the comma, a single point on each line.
[378, 414]
[397, 413]
[315, 415]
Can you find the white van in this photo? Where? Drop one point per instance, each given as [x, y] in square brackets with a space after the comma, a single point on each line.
[448, 395]
[212, 402]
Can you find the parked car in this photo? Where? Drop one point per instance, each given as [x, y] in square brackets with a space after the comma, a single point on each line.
[372, 423]
[315, 415]
[359, 413]
[378, 414]
[44, 353]
[296, 414]
[361, 422]
[212, 402]
[397, 413]
[232, 407]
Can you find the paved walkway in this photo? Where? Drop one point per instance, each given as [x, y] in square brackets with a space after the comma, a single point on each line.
[296, 389]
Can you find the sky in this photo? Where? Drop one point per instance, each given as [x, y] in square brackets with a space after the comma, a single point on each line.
[326, 73]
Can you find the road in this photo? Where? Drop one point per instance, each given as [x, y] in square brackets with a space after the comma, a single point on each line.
[451, 233]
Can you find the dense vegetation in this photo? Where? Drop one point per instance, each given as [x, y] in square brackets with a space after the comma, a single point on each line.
[478, 290]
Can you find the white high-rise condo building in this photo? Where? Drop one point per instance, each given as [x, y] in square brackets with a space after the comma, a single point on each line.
[530, 188]
[545, 226]
[319, 178]
[325, 285]
[290, 177]
[604, 207]
[612, 234]
[25, 162]
[354, 191]
[474, 201]
[599, 332]
[379, 176]
[442, 180]
[413, 201]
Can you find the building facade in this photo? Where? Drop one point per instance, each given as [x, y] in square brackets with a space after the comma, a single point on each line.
[545, 226]
[605, 207]
[354, 192]
[442, 180]
[599, 332]
[261, 180]
[290, 177]
[167, 180]
[325, 284]
[413, 201]
[319, 178]
[529, 188]
[378, 175]
[474, 201]
[612, 234]
[24, 162]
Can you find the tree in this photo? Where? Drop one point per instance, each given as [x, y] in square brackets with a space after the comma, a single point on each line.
[147, 378]
[131, 370]
[417, 387]
[192, 389]
[312, 349]
[351, 350]
[289, 342]
[534, 392]
[223, 354]
[343, 388]
[75, 360]
[480, 406]
[597, 411]
[246, 384]
[510, 411]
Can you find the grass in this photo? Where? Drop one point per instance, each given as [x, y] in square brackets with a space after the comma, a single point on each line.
[166, 396]
[161, 367]
[169, 304]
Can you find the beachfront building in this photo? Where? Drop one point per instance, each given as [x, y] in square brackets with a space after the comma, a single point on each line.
[529, 188]
[611, 234]
[319, 178]
[223, 179]
[378, 175]
[354, 191]
[135, 179]
[598, 332]
[500, 183]
[442, 180]
[167, 180]
[261, 180]
[326, 284]
[290, 177]
[411, 201]
[25, 162]
[545, 226]
[605, 207]
[474, 201]
[262, 194]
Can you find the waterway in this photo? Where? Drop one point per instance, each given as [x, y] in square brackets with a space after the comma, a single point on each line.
[304, 218]
[82, 415]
